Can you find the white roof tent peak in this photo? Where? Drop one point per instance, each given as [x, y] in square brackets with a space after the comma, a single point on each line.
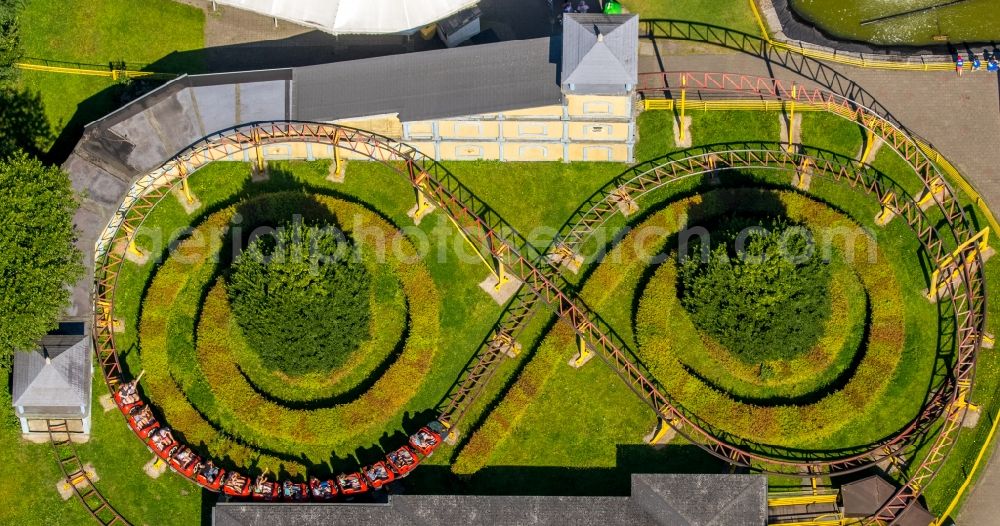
[356, 16]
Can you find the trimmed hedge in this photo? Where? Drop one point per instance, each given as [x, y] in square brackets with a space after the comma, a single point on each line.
[762, 290]
[783, 425]
[301, 298]
[387, 305]
[232, 404]
[841, 338]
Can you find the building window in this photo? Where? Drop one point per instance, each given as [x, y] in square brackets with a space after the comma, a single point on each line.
[596, 153]
[469, 129]
[469, 152]
[531, 129]
[597, 108]
[533, 152]
[598, 131]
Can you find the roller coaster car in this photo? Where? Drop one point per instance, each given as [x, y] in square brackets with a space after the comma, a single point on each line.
[352, 483]
[162, 442]
[322, 489]
[264, 489]
[402, 460]
[425, 441]
[236, 485]
[184, 461]
[210, 476]
[294, 491]
[140, 419]
[127, 396]
[379, 474]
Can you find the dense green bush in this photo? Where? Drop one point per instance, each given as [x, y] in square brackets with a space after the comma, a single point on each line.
[37, 256]
[762, 291]
[301, 298]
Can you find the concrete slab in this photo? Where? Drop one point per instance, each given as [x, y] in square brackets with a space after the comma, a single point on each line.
[107, 403]
[504, 292]
[796, 135]
[155, 467]
[580, 360]
[418, 217]
[65, 487]
[189, 206]
[687, 141]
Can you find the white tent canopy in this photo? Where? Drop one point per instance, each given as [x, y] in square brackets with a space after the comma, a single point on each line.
[356, 16]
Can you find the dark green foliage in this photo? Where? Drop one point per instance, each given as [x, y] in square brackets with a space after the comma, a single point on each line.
[37, 256]
[10, 39]
[762, 293]
[23, 125]
[302, 298]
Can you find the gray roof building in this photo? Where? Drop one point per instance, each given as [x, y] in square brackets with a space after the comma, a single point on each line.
[674, 500]
[54, 381]
[600, 54]
[432, 84]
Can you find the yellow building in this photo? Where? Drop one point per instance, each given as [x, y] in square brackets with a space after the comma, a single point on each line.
[568, 99]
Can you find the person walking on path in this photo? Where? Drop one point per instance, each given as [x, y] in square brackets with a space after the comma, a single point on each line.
[959, 65]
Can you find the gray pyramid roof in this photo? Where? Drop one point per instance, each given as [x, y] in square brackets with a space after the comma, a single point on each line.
[702, 500]
[600, 53]
[54, 377]
[865, 497]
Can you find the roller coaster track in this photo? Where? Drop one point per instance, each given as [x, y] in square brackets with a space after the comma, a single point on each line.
[481, 226]
[77, 478]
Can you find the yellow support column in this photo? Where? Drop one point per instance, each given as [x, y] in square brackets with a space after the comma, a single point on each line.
[501, 269]
[584, 353]
[424, 205]
[132, 251]
[337, 168]
[870, 140]
[935, 187]
[258, 170]
[981, 239]
[683, 106]
[791, 117]
[887, 212]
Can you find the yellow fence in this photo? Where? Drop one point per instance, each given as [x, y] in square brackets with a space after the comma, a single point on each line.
[856, 61]
[89, 70]
[801, 500]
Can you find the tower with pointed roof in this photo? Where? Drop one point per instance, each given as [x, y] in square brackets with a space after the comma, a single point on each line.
[53, 382]
[598, 77]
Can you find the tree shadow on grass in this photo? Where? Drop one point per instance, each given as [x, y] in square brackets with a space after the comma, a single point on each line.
[23, 124]
[567, 480]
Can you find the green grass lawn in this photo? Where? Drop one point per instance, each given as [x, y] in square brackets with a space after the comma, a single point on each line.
[569, 440]
[733, 14]
[161, 33]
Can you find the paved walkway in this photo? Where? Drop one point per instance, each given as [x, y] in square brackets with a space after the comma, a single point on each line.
[237, 40]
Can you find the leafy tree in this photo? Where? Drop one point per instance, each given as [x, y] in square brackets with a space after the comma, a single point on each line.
[301, 298]
[10, 39]
[762, 291]
[37, 256]
[23, 125]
